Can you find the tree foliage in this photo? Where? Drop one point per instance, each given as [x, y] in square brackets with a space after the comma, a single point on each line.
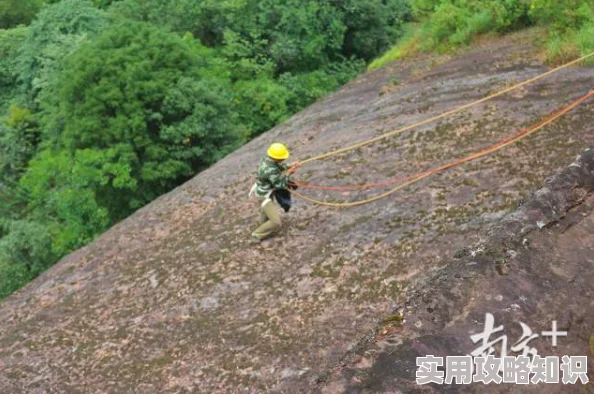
[57, 32]
[373, 25]
[263, 43]
[294, 35]
[25, 252]
[137, 110]
[563, 15]
[456, 22]
[19, 137]
[10, 42]
[18, 12]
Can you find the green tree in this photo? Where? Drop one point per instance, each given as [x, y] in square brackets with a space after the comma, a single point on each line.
[56, 33]
[295, 35]
[140, 111]
[262, 41]
[303, 35]
[25, 252]
[19, 138]
[61, 194]
[181, 16]
[563, 15]
[16, 12]
[10, 42]
[373, 26]
[261, 104]
[305, 88]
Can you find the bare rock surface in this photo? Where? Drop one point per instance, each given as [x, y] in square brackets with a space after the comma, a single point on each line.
[550, 278]
[174, 300]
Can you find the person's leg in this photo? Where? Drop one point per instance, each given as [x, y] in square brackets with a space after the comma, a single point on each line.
[272, 224]
[263, 218]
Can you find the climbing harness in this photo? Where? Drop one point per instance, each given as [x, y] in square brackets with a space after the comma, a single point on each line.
[402, 183]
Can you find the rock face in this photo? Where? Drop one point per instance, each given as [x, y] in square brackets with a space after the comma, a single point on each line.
[550, 278]
[173, 299]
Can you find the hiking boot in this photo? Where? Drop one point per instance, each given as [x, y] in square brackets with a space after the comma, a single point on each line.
[255, 241]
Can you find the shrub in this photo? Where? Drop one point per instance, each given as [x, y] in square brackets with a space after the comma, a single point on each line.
[445, 25]
[561, 16]
[456, 22]
[570, 24]
[25, 252]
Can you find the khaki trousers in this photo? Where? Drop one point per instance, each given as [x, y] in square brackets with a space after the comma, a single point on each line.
[269, 220]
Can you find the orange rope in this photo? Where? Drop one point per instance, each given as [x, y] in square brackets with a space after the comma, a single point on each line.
[418, 177]
[445, 114]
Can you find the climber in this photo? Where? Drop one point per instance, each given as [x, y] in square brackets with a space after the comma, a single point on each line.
[272, 184]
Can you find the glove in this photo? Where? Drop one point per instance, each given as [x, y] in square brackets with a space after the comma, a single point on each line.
[293, 168]
[292, 185]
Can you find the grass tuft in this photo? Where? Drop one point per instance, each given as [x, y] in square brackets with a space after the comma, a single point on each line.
[449, 25]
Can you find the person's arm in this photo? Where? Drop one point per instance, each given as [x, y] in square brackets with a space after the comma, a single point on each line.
[292, 168]
[278, 180]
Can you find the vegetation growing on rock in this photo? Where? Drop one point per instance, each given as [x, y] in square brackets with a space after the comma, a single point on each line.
[444, 25]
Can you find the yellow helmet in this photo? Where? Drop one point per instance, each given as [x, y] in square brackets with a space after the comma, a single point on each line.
[278, 152]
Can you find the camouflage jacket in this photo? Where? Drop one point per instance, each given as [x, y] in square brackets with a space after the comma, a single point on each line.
[270, 177]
